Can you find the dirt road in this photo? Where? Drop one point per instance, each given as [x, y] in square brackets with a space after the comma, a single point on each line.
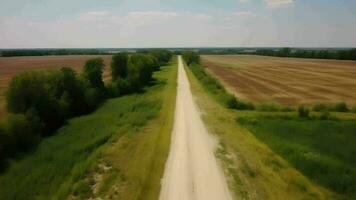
[192, 171]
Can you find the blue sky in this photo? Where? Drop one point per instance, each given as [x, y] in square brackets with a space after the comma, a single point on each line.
[173, 23]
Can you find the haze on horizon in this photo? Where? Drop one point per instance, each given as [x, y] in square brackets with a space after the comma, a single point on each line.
[173, 23]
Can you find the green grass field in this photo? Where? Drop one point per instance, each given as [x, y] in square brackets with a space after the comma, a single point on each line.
[323, 150]
[125, 142]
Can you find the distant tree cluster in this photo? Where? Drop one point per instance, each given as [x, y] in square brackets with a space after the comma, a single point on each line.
[39, 102]
[49, 52]
[303, 53]
[191, 57]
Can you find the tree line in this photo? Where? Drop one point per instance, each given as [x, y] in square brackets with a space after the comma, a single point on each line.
[50, 52]
[304, 53]
[40, 102]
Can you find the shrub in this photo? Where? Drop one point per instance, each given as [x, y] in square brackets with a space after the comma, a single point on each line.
[287, 109]
[303, 112]
[93, 97]
[6, 147]
[325, 115]
[231, 102]
[319, 107]
[341, 107]
[353, 109]
[119, 66]
[21, 129]
[268, 107]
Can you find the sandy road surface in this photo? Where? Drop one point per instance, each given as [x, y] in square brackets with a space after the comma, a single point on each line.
[192, 171]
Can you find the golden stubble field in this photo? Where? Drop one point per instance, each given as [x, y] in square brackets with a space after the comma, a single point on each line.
[10, 66]
[288, 81]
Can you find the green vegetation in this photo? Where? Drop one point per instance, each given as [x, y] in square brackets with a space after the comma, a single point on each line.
[338, 107]
[121, 141]
[303, 112]
[322, 150]
[191, 57]
[44, 100]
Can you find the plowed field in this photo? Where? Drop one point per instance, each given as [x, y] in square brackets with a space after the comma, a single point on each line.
[288, 81]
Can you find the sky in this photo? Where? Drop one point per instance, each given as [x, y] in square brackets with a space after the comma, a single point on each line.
[177, 23]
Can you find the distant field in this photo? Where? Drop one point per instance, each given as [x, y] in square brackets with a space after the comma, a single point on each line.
[288, 81]
[11, 66]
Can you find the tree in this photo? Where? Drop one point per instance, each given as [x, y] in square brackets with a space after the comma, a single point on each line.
[119, 66]
[163, 56]
[191, 57]
[140, 69]
[33, 90]
[69, 90]
[93, 72]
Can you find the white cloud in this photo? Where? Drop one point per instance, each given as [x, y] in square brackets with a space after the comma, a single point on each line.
[202, 17]
[244, 14]
[95, 16]
[278, 3]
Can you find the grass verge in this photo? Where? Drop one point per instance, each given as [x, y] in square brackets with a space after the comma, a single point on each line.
[119, 150]
[254, 171]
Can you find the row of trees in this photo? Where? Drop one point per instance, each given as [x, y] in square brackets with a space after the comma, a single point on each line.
[302, 53]
[39, 102]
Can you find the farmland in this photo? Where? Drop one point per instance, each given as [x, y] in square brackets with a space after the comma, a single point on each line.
[10, 66]
[287, 81]
[311, 155]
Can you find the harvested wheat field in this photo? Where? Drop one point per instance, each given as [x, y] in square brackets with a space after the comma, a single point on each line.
[10, 66]
[288, 81]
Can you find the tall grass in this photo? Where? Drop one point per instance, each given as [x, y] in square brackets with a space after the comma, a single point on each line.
[323, 150]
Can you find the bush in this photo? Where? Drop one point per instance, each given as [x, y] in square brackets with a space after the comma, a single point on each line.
[341, 107]
[93, 98]
[231, 102]
[269, 107]
[287, 109]
[7, 147]
[325, 115]
[353, 109]
[319, 107]
[22, 130]
[303, 112]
